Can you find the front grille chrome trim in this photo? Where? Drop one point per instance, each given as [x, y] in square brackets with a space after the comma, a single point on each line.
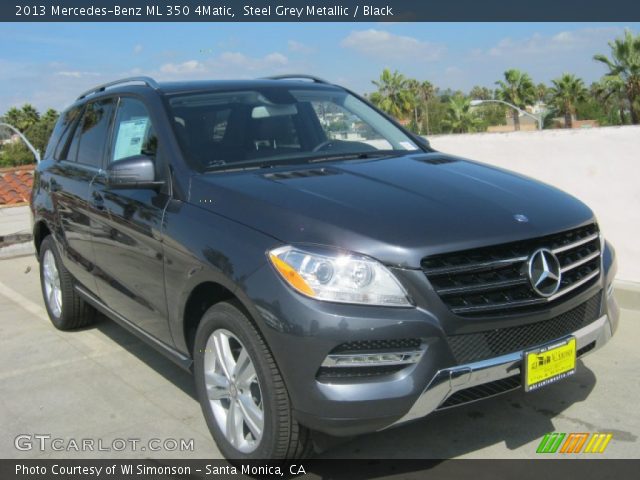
[482, 287]
[526, 303]
[582, 261]
[474, 267]
[573, 245]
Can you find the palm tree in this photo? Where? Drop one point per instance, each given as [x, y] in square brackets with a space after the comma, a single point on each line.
[460, 117]
[427, 92]
[516, 89]
[481, 93]
[541, 93]
[566, 92]
[392, 96]
[610, 91]
[413, 86]
[625, 65]
[22, 118]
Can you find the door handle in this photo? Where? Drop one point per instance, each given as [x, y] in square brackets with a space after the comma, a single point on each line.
[97, 200]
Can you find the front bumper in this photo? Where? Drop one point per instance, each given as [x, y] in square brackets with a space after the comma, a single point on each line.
[462, 377]
[302, 333]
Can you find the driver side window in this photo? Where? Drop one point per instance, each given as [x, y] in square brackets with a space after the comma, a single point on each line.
[133, 132]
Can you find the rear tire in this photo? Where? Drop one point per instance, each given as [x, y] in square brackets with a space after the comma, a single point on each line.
[226, 341]
[65, 307]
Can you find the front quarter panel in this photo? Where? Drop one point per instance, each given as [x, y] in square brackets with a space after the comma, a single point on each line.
[199, 247]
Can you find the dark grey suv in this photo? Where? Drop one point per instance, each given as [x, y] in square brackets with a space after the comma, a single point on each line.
[317, 266]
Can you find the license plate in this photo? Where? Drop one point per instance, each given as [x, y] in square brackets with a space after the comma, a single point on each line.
[549, 364]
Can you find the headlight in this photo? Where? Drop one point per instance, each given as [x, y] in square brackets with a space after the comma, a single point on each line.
[338, 276]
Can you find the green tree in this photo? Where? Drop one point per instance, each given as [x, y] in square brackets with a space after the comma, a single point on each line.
[461, 118]
[541, 93]
[565, 94]
[22, 118]
[481, 93]
[516, 89]
[610, 93]
[624, 65]
[393, 95]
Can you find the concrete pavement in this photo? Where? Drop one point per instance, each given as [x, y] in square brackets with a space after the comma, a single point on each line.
[104, 384]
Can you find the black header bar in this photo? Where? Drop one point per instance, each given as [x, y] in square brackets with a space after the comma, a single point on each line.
[318, 10]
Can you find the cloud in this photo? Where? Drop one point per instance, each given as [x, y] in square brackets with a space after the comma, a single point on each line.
[540, 45]
[226, 64]
[76, 74]
[184, 68]
[138, 49]
[388, 46]
[298, 47]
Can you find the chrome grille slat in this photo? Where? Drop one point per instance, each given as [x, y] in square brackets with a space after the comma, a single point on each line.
[494, 280]
[582, 261]
[475, 267]
[482, 287]
[525, 303]
[571, 246]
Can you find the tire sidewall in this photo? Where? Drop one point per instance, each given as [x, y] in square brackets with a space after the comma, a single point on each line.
[49, 244]
[227, 316]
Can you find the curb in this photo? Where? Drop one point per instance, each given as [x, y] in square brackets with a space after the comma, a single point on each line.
[627, 294]
[16, 245]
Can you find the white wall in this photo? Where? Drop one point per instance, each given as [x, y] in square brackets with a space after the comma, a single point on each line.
[600, 166]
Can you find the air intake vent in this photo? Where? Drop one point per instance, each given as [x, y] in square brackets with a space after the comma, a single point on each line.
[437, 160]
[315, 172]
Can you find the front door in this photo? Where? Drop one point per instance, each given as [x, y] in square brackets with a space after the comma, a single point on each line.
[127, 241]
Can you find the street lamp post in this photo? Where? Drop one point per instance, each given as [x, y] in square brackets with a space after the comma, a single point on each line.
[537, 118]
[35, 152]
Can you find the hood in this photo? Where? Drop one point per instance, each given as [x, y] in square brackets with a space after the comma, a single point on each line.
[397, 210]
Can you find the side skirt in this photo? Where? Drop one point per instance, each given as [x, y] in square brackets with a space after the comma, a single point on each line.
[172, 354]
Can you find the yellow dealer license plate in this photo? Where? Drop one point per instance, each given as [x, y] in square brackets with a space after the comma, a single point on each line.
[549, 364]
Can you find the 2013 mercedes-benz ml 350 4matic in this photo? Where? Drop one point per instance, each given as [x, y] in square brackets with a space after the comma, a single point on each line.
[317, 266]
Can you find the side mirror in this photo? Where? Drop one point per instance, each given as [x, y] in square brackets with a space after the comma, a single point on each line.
[132, 172]
[423, 142]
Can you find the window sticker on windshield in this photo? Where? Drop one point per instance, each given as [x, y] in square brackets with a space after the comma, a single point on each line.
[408, 146]
[130, 137]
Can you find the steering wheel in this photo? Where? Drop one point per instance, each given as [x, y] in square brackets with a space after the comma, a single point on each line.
[322, 145]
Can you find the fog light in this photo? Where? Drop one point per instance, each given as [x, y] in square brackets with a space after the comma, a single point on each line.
[373, 359]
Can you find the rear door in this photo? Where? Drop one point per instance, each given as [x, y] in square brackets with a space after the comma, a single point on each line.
[128, 241]
[80, 158]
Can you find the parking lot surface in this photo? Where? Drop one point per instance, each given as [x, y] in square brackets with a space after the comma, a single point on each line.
[103, 384]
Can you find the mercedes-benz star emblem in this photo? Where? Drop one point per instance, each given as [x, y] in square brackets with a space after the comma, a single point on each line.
[544, 272]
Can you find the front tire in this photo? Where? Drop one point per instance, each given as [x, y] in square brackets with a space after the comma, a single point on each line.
[65, 307]
[242, 394]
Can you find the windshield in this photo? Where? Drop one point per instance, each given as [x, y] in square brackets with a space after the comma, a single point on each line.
[272, 125]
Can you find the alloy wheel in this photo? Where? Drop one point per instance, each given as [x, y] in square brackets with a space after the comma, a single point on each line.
[233, 390]
[53, 292]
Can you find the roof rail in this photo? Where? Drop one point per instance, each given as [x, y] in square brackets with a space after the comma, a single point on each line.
[293, 76]
[101, 88]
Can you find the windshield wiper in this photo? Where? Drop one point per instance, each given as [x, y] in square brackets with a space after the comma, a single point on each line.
[357, 156]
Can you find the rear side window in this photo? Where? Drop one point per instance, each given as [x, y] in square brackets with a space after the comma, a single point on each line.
[61, 133]
[90, 138]
[133, 132]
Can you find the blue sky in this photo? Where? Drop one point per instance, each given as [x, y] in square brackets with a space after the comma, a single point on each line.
[48, 64]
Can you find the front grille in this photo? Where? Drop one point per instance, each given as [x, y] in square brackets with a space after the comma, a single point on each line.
[494, 281]
[473, 347]
[479, 392]
[398, 344]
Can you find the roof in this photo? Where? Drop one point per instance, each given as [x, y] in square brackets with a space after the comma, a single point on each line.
[170, 88]
[15, 185]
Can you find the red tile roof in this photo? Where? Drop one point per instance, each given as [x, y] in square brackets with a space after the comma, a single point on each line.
[15, 185]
